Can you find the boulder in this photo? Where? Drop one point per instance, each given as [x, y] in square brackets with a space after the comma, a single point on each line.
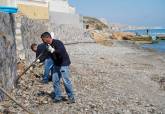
[101, 37]
[132, 37]
[142, 39]
[160, 37]
[122, 35]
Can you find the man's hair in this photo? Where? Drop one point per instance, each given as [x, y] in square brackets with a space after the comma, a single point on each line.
[45, 35]
[33, 45]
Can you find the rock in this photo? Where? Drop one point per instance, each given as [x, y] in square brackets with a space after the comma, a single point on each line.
[45, 101]
[2, 108]
[101, 38]
[131, 36]
[122, 35]
[160, 37]
[142, 39]
[126, 112]
[118, 111]
[94, 24]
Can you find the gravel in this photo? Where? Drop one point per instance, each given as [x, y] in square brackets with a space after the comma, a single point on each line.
[106, 80]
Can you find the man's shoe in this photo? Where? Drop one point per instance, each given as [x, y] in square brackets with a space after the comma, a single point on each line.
[44, 81]
[57, 100]
[70, 101]
[50, 78]
[64, 98]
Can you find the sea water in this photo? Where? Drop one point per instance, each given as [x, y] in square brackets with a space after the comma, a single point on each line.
[160, 46]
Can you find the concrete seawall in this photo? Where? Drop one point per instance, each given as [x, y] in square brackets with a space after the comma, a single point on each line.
[8, 51]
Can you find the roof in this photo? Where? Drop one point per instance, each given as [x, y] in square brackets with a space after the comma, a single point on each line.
[7, 9]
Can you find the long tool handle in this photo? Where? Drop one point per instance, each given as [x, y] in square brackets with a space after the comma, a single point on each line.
[15, 101]
[19, 76]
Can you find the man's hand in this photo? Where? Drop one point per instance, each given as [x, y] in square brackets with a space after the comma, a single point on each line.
[50, 48]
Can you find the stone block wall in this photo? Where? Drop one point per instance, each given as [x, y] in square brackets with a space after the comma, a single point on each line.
[69, 34]
[7, 51]
[75, 20]
[31, 31]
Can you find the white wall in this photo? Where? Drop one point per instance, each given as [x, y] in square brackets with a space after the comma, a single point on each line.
[60, 6]
[54, 5]
[8, 2]
[13, 3]
[59, 18]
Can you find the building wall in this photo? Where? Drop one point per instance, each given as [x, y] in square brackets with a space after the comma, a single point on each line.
[39, 9]
[3, 2]
[34, 11]
[66, 19]
[7, 51]
[60, 6]
[31, 31]
[8, 2]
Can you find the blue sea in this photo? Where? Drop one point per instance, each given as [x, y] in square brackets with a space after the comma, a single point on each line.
[160, 46]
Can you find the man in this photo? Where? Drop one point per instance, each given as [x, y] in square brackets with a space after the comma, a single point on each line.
[61, 67]
[48, 62]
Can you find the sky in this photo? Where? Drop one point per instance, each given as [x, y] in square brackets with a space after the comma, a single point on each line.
[130, 12]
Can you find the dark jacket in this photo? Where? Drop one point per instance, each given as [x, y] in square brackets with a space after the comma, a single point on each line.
[42, 48]
[60, 56]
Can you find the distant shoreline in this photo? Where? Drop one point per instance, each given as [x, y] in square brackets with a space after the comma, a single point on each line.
[137, 46]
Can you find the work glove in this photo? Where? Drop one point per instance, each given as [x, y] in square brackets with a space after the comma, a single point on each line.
[35, 64]
[50, 48]
[38, 61]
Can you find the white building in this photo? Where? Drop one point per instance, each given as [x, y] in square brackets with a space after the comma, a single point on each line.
[8, 2]
[58, 11]
[61, 6]
[61, 13]
[54, 5]
[14, 3]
